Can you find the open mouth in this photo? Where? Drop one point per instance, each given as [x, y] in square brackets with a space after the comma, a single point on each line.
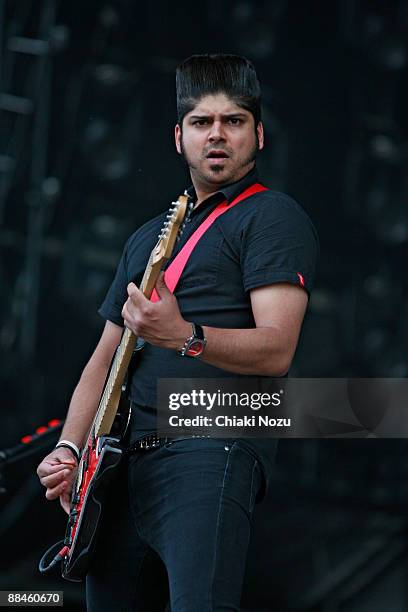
[217, 155]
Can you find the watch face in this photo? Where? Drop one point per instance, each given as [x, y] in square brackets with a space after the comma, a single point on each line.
[195, 348]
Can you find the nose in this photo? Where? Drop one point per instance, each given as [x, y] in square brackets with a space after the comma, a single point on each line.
[216, 132]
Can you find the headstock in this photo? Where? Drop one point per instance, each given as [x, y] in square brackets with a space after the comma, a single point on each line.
[172, 229]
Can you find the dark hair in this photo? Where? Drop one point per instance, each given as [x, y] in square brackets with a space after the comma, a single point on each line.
[202, 75]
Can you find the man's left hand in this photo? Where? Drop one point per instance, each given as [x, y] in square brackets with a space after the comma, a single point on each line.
[159, 323]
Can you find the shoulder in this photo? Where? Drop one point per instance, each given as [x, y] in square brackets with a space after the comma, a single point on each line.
[274, 204]
[269, 210]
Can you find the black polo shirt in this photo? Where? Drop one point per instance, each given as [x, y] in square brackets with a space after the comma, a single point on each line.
[264, 239]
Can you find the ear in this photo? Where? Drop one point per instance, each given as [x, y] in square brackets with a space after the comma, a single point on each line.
[260, 132]
[177, 138]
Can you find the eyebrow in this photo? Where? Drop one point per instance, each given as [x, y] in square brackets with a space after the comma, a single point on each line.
[226, 116]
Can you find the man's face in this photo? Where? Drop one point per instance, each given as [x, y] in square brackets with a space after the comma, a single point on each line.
[218, 141]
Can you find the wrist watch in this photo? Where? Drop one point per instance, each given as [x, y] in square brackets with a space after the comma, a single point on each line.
[194, 345]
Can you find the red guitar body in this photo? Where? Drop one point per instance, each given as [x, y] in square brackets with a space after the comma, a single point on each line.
[98, 465]
[96, 470]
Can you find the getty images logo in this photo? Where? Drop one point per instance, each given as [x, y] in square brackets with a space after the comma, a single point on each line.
[208, 401]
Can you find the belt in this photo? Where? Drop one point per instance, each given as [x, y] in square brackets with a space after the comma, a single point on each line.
[154, 441]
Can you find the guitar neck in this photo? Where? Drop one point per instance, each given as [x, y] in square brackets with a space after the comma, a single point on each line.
[109, 401]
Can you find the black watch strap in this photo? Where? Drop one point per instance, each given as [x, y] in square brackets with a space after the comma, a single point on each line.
[198, 331]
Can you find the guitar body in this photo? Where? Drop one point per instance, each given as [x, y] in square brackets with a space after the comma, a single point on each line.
[82, 528]
[98, 466]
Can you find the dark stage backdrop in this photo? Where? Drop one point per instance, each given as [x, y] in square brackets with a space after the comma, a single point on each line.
[87, 109]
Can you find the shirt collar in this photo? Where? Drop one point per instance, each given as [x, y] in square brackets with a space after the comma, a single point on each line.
[227, 192]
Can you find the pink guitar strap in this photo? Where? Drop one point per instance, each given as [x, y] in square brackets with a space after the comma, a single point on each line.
[175, 269]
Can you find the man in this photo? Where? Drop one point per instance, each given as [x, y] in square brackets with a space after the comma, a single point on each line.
[245, 287]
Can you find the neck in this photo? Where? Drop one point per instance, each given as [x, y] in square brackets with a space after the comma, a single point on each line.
[206, 190]
[203, 195]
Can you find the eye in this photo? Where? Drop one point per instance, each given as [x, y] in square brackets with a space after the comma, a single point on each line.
[200, 122]
[234, 120]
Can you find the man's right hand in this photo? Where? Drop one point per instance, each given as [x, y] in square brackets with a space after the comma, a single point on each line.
[57, 472]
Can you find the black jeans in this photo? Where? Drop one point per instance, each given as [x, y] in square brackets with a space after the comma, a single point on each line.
[189, 504]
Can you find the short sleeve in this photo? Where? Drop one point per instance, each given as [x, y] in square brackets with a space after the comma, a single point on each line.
[111, 308]
[280, 244]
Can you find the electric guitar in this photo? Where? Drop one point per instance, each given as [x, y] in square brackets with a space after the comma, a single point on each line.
[103, 451]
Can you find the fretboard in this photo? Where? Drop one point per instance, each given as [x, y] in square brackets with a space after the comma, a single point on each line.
[109, 401]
